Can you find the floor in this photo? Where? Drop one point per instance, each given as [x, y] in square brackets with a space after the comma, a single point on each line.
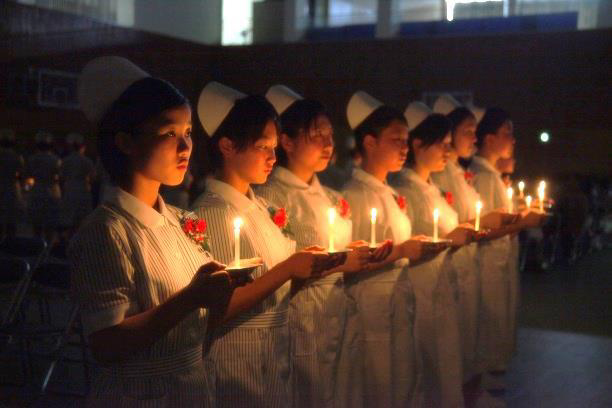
[564, 356]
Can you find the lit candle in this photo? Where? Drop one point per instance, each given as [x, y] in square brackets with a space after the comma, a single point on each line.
[237, 225]
[521, 186]
[478, 209]
[510, 192]
[436, 216]
[541, 195]
[528, 201]
[331, 214]
[373, 213]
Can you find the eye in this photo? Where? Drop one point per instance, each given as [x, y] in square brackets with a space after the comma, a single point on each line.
[188, 134]
[170, 134]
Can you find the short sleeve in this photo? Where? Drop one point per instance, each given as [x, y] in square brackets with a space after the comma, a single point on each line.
[102, 277]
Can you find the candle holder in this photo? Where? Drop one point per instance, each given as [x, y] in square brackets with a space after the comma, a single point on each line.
[244, 267]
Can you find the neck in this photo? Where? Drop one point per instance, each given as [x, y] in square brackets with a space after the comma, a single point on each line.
[144, 189]
[454, 157]
[230, 177]
[375, 169]
[488, 155]
[422, 171]
[300, 172]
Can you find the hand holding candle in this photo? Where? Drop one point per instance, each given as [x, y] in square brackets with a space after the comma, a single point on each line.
[331, 215]
[436, 216]
[237, 225]
[478, 210]
[373, 214]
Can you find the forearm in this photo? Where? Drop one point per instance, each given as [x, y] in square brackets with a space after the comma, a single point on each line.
[139, 331]
[244, 298]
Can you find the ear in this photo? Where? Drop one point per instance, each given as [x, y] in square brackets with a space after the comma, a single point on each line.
[287, 143]
[369, 142]
[226, 147]
[124, 143]
[416, 144]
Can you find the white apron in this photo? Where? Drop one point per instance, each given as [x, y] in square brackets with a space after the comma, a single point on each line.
[384, 299]
[249, 355]
[496, 329]
[465, 262]
[436, 289]
[324, 369]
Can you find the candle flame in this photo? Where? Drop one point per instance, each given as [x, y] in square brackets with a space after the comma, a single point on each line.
[528, 201]
[521, 185]
[237, 223]
[510, 192]
[478, 206]
[373, 213]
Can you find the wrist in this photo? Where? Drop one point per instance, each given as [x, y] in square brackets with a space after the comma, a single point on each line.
[188, 298]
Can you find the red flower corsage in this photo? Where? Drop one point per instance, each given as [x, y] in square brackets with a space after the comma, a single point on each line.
[196, 230]
[401, 202]
[448, 196]
[280, 217]
[469, 176]
[343, 208]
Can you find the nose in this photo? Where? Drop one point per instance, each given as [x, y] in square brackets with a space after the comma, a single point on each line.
[184, 145]
[272, 156]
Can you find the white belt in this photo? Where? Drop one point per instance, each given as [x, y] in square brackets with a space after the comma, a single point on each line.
[261, 320]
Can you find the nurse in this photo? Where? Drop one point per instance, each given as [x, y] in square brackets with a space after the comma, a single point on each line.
[142, 279]
[384, 296]
[325, 346]
[454, 181]
[11, 171]
[76, 174]
[250, 354]
[437, 282]
[44, 199]
[495, 140]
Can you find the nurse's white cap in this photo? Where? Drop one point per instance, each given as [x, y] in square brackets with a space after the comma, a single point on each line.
[73, 138]
[416, 113]
[478, 112]
[215, 103]
[102, 82]
[282, 97]
[360, 106]
[445, 104]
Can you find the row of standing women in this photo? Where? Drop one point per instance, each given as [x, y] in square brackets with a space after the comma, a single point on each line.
[399, 320]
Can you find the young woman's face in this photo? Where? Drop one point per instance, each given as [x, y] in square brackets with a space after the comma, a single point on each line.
[503, 141]
[163, 146]
[464, 138]
[255, 163]
[314, 147]
[391, 148]
[434, 157]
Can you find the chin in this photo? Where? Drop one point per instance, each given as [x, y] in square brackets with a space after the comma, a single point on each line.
[321, 166]
[174, 181]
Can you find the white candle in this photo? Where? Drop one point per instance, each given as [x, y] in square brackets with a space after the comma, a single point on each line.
[541, 195]
[237, 225]
[510, 193]
[331, 215]
[478, 209]
[436, 216]
[521, 186]
[373, 214]
[528, 201]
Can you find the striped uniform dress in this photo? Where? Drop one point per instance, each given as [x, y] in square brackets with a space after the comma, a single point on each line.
[44, 199]
[500, 280]
[325, 339]
[249, 354]
[126, 259]
[465, 261]
[385, 299]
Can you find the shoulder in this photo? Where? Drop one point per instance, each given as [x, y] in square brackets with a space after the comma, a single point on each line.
[103, 224]
[273, 192]
[208, 200]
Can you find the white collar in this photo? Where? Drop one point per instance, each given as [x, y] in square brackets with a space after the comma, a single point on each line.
[287, 177]
[482, 162]
[371, 181]
[146, 215]
[230, 194]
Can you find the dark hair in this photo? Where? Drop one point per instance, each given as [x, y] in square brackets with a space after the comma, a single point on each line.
[430, 131]
[458, 115]
[243, 125]
[298, 117]
[375, 123]
[490, 123]
[142, 100]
